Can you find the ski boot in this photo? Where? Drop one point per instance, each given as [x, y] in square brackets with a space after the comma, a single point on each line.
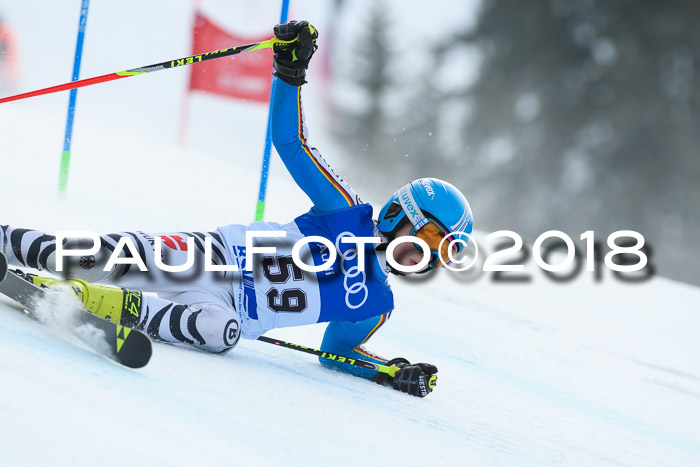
[120, 306]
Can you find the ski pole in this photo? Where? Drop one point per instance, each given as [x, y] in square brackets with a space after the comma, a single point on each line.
[267, 149]
[390, 370]
[65, 155]
[178, 62]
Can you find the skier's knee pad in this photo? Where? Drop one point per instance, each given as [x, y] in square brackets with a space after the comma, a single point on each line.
[218, 327]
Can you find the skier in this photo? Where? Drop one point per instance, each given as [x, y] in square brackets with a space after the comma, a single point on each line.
[211, 311]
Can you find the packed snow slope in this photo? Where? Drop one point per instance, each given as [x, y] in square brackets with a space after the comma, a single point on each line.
[537, 373]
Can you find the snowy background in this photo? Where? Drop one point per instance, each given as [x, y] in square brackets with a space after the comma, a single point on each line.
[583, 372]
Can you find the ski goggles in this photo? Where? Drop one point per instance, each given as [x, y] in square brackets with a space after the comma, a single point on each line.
[433, 233]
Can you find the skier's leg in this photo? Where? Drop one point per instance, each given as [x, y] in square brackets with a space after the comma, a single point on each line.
[175, 251]
[31, 248]
[208, 325]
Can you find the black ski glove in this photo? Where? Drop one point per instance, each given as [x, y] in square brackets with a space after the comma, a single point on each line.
[418, 379]
[292, 60]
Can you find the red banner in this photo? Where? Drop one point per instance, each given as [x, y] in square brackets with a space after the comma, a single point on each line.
[246, 76]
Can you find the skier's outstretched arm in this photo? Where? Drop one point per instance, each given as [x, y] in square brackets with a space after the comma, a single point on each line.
[290, 136]
[346, 338]
[310, 171]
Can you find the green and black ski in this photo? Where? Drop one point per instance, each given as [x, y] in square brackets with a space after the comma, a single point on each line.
[127, 346]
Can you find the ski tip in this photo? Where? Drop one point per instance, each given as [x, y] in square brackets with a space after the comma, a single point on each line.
[137, 355]
[3, 267]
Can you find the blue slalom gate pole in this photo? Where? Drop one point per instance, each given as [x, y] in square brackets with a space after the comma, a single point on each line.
[65, 155]
[260, 206]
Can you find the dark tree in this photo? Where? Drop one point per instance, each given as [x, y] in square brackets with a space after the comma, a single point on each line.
[360, 124]
[586, 115]
[391, 127]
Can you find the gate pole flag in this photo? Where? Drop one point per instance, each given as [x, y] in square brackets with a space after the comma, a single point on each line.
[247, 77]
[65, 155]
[260, 206]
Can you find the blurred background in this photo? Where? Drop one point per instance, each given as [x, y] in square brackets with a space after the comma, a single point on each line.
[572, 115]
[551, 114]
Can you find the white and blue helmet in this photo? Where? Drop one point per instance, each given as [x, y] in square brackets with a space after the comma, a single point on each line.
[423, 200]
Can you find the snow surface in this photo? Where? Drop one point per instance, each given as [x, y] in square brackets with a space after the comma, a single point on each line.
[539, 373]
